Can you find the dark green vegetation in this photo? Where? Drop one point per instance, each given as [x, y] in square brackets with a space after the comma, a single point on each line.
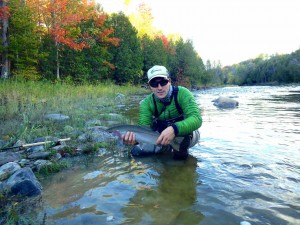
[81, 43]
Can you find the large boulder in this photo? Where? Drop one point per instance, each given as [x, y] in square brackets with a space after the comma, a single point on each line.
[23, 182]
[225, 103]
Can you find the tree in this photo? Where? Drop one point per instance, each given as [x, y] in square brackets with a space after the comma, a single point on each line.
[76, 25]
[4, 16]
[189, 68]
[143, 21]
[154, 52]
[127, 57]
[24, 41]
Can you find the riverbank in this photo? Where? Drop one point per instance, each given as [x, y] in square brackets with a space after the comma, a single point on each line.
[33, 112]
[23, 106]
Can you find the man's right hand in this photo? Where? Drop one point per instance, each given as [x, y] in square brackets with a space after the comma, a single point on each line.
[129, 138]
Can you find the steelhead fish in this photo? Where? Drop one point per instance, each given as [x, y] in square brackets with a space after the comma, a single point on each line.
[142, 134]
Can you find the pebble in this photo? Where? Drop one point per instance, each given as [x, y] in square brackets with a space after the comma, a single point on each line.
[245, 223]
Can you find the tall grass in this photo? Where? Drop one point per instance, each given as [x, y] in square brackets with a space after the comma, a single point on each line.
[24, 104]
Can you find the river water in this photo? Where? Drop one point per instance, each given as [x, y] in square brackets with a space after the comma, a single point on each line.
[246, 167]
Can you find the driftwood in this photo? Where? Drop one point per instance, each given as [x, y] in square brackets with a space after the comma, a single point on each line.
[36, 144]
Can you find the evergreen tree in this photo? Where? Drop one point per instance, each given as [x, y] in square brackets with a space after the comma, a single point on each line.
[127, 57]
[154, 52]
[24, 44]
[189, 67]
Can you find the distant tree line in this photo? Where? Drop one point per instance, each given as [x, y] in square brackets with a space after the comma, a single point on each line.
[77, 41]
[275, 69]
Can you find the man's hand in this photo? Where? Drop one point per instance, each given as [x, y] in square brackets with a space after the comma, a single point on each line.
[166, 136]
[129, 138]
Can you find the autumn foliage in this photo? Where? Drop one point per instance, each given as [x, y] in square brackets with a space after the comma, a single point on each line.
[4, 12]
[64, 19]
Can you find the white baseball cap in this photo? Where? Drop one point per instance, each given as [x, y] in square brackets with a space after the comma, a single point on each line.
[157, 71]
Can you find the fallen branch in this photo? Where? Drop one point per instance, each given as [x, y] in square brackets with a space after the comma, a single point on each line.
[36, 144]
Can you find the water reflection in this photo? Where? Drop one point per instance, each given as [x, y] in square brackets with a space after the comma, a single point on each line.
[171, 201]
[118, 190]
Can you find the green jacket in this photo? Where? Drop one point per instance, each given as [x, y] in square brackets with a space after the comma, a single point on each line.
[192, 116]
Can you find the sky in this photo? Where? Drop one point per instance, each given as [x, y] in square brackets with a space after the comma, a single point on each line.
[229, 31]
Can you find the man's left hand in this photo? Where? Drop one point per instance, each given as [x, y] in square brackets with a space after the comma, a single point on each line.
[166, 136]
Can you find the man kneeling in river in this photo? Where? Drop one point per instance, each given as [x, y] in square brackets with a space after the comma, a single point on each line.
[170, 110]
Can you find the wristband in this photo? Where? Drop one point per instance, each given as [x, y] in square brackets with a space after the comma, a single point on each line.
[175, 129]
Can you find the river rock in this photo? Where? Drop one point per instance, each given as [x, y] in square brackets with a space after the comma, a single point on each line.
[57, 117]
[41, 148]
[91, 123]
[225, 103]
[120, 98]
[19, 143]
[38, 148]
[39, 164]
[24, 162]
[24, 183]
[39, 155]
[96, 134]
[6, 157]
[8, 169]
[46, 138]
[2, 143]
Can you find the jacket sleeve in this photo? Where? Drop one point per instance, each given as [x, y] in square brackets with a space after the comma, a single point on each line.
[146, 111]
[192, 115]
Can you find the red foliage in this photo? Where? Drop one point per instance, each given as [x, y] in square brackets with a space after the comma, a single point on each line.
[165, 41]
[4, 12]
[63, 19]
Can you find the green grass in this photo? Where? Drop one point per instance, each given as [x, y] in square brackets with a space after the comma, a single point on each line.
[23, 105]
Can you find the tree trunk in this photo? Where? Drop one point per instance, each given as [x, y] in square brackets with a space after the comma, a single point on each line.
[57, 62]
[5, 64]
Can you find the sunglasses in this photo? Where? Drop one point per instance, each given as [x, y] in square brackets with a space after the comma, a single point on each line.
[155, 83]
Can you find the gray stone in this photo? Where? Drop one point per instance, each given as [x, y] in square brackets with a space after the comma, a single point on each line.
[24, 162]
[19, 143]
[83, 137]
[8, 169]
[46, 138]
[38, 148]
[225, 103]
[39, 155]
[120, 98]
[58, 147]
[57, 117]
[92, 123]
[2, 143]
[39, 164]
[101, 136]
[24, 183]
[6, 157]
[68, 129]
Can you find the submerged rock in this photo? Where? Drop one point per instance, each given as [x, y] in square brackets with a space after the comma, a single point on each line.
[225, 103]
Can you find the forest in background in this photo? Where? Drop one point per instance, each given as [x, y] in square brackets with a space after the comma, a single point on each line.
[76, 41]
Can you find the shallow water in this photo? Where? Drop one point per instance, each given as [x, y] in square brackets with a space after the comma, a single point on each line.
[245, 168]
